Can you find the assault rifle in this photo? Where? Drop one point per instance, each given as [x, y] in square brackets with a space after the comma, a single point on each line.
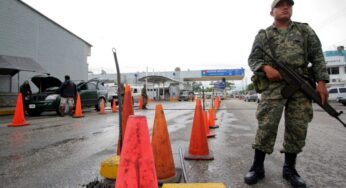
[296, 82]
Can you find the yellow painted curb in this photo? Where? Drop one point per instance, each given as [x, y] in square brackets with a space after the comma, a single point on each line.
[109, 167]
[194, 185]
[7, 111]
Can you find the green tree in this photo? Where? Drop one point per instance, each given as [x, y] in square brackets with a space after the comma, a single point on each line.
[229, 85]
[196, 86]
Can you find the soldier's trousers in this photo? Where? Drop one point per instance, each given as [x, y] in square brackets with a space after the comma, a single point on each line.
[298, 113]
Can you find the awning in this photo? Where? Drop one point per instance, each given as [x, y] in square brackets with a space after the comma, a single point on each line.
[157, 79]
[11, 65]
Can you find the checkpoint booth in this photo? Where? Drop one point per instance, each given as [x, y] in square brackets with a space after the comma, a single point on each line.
[161, 87]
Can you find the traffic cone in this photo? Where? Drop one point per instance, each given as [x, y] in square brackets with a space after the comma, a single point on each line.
[114, 106]
[163, 156]
[137, 166]
[19, 118]
[78, 113]
[141, 103]
[198, 148]
[102, 107]
[212, 119]
[126, 112]
[216, 102]
[206, 125]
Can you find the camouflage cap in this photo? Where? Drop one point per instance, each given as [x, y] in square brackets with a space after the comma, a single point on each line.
[275, 2]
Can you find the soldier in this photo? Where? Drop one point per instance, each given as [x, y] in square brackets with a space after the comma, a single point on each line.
[145, 96]
[297, 46]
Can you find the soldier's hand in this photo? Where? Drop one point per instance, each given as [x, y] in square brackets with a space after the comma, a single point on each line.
[271, 73]
[322, 90]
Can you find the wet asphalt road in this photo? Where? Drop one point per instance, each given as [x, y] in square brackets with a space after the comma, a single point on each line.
[66, 152]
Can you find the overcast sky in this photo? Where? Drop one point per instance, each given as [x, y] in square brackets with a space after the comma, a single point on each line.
[190, 34]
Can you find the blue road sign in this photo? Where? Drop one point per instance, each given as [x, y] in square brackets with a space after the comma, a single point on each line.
[220, 85]
[223, 72]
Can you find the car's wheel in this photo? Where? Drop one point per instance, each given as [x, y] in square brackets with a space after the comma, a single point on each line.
[34, 112]
[98, 106]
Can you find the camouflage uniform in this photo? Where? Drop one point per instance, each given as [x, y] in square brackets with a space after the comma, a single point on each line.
[290, 49]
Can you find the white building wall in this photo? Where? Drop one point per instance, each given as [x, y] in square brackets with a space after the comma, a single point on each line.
[26, 33]
[337, 79]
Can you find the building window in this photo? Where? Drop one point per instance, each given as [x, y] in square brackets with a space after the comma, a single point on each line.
[333, 70]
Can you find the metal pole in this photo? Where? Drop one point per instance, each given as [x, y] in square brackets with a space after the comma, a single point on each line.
[18, 83]
[182, 165]
[120, 102]
[146, 82]
[203, 98]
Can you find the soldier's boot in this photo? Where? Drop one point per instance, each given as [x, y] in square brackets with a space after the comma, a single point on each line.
[256, 172]
[290, 173]
[62, 111]
[70, 111]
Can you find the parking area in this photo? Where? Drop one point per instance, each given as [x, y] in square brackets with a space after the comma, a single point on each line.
[58, 151]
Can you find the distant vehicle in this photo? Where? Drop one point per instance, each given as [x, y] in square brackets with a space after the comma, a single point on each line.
[136, 92]
[251, 96]
[112, 90]
[220, 94]
[335, 93]
[92, 92]
[48, 97]
[185, 95]
[342, 100]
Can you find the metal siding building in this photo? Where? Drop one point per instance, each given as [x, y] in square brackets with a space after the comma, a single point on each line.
[25, 32]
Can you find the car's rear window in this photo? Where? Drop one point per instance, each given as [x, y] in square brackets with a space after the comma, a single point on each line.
[342, 90]
[333, 90]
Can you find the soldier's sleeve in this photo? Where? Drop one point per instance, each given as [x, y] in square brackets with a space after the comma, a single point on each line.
[255, 59]
[315, 56]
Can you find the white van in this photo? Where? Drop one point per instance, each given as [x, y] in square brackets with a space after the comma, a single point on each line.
[336, 92]
[136, 93]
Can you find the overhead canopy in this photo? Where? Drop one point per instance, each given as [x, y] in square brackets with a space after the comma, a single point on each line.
[157, 79]
[11, 65]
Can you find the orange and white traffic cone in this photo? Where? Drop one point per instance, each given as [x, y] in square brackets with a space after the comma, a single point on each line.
[212, 119]
[114, 106]
[102, 107]
[206, 124]
[137, 166]
[141, 103]
[198, 148]
[19, 118]
[164, 162]
[78, 113]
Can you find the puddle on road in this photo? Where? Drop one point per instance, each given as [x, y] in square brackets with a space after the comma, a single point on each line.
[229, 120]
[175, 127]
[35, 151]
[50, 126]
[240, 127]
